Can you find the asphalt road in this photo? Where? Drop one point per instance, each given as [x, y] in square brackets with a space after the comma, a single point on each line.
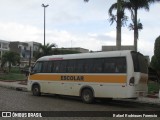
[12, 100]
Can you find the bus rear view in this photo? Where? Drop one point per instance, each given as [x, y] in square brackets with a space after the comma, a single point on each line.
[138, 81]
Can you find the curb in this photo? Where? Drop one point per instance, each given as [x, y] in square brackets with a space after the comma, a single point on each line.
[21, 89]
[14, 88]
[152, 96]
[141, 102]
[150, 103]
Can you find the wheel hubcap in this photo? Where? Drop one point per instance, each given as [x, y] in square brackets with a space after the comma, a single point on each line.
[35, 90]
[86, 97]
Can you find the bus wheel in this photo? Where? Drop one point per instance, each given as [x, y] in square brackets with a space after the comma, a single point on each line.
[36, 90]
[87, 96]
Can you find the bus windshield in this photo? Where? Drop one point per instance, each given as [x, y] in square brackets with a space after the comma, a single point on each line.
[139, 62]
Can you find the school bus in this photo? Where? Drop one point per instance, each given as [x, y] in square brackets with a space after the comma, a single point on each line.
[115, 74]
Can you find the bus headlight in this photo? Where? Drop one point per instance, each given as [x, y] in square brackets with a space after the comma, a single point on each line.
[132, 81]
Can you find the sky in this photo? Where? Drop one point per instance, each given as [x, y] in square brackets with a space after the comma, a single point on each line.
[74, 23]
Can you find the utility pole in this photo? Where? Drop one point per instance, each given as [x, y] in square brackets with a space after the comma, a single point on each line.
[44, 21]
[30, 57]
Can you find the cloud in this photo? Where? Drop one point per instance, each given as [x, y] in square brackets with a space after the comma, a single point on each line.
[103, 37]
[63, 38]
[147, 48]
[109, 38]
[73, 23]
[19, 32]
[67, 39]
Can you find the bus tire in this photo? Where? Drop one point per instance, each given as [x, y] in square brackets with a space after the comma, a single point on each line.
[87, 96]
[36, 90]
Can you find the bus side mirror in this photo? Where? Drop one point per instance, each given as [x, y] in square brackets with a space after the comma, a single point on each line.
[31, 70]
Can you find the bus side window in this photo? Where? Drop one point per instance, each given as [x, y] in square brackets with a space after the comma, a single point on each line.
[79, 68]
[56, 67]
[115, 65]
[62, 66]
[59, 66]
[49, 70]
[98, 65]
[121, 65]
[71, 66]
[37, 68]
[47, 67]
[109, 65]
[88, 66]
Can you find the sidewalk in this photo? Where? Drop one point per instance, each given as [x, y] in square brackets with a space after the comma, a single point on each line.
[17, 85]
[22, 86]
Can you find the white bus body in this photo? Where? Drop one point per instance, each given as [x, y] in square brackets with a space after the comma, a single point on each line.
[91, 75]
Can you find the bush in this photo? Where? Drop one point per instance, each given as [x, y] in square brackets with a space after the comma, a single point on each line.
[153, 87]
[15, 70]
[157, 49]
[13, 76]
[155, 62]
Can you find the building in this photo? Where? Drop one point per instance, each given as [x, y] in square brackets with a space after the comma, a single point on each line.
[34, 47]
[114, 48]
[26, 50]
[77, 49]
[4, 46]
[23, 50]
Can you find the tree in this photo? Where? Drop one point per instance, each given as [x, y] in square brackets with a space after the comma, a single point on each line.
[10, 57]
[139, 26]
[157, 49]
[134, 6]
[119, 18]
[155, 62]
[44, 50]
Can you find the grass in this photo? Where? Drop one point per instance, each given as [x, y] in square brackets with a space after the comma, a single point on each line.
[15, 70]
[12, 76]
[153, 87]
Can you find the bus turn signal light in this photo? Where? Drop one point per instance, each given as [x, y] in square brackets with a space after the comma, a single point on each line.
[132, 81]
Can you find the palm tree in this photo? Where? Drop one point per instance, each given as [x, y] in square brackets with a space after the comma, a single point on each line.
[139, 27]
[133, 6]
[10, 57]
[119, 18]
[138, 4]
[44, 50]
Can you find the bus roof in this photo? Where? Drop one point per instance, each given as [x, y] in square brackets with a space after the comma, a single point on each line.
[85, 55]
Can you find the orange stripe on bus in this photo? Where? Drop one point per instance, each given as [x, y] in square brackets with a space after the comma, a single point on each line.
[86, 78]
